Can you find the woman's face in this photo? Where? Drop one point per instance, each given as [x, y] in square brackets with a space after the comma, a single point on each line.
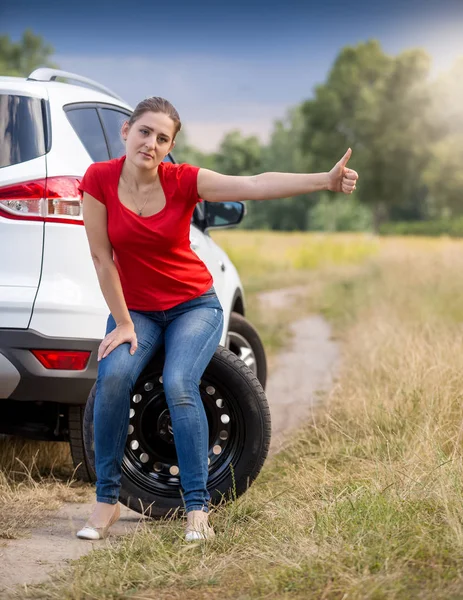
[149, 139]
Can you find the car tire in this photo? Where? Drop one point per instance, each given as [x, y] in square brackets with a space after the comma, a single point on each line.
[239, 436]
[83, 468]
[244, 341]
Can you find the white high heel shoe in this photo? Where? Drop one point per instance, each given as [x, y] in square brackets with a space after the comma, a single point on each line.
[197, 526]
[88, 532]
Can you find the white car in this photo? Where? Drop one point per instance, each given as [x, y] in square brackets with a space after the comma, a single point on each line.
[53, 314]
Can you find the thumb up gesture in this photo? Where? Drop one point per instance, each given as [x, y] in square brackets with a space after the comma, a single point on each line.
[341, 178]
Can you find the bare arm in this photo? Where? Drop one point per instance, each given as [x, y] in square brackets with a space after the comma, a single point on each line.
[95, 219]
[215, 187]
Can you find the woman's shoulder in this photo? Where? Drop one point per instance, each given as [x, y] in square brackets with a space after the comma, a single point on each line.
[106, 167]
[181, 177]
[100, 176]
[178, 170]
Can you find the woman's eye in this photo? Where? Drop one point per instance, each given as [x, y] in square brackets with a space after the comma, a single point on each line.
[144, 130]
[162, 140]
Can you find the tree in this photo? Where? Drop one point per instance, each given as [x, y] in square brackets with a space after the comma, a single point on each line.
[283, 153]
[381, 107]
[21, 58]
[340, 214]
[444, 175]
[184, 152]
[238, 155]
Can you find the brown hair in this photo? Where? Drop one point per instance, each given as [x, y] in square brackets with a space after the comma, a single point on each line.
[159, 105]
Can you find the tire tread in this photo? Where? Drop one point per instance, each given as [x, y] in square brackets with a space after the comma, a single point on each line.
[83, 471]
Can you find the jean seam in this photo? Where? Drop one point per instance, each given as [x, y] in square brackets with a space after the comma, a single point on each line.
[198, 420]
[201, 507]
[100, 498]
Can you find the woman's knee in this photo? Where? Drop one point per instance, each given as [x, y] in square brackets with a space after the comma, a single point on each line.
[116, 371]
[178, 385]
[113, 383]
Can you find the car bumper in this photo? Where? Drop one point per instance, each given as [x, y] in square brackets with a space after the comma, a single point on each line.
[24, 378]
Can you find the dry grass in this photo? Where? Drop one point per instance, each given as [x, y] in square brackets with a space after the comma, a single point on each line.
[367, 502]
[267, 260]
[35, 478]
[271, 261]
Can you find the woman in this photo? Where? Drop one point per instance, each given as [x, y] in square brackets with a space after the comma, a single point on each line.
[137, 212]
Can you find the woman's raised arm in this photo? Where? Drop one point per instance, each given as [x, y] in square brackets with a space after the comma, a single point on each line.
[215, 187]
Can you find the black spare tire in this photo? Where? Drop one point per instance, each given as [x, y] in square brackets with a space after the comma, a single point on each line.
[239, 436]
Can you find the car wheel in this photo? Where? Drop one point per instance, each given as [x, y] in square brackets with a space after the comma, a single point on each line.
[239, 436]
[244, 341]
[83, 469]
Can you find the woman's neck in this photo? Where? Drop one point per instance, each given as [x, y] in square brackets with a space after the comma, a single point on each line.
[139, 177]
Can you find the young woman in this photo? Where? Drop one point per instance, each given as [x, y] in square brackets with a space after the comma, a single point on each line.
[137, 212]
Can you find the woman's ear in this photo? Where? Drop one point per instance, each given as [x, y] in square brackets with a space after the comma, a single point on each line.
[172, 146]
[125, 130]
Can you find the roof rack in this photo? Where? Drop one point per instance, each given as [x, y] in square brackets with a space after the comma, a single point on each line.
[46, 74]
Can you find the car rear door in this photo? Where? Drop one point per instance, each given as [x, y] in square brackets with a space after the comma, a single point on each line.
[24, 142]
[69, 284]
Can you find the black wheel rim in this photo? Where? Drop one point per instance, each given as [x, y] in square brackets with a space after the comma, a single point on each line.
[150, 458]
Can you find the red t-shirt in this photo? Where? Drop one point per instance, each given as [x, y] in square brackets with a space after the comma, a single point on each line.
[156, 265]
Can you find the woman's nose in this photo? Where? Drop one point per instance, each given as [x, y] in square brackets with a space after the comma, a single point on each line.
[151, 142]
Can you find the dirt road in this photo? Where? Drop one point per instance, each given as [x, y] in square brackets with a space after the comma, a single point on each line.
[303, 369]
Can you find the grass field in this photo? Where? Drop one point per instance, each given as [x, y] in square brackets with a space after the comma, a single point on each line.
[366, 502]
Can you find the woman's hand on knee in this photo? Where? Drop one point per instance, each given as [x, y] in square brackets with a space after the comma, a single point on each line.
[122, 334]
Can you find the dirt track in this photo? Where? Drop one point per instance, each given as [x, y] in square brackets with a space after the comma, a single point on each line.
[304, 368]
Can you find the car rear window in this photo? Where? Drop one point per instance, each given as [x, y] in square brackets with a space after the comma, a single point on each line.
[112, 121]
[22, 134]
[87, 125]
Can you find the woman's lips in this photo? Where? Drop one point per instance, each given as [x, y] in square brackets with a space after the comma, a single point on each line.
[146, 155]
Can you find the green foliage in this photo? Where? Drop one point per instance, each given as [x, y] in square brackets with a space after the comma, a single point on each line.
[283, 153]
[437, 227]
[184, 152]
[340, 214]
[444, 176]
[406, 132]
[21, 58]
[238, 155]
[381, 107]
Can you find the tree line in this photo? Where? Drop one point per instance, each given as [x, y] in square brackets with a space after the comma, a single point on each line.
[406, 131]
[405, 127]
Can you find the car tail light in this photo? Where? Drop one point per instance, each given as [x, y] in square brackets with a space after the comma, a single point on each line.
[69, 360]
[55, 199]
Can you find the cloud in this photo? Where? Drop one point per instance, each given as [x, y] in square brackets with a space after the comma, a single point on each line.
[212, 95]
[207, 136]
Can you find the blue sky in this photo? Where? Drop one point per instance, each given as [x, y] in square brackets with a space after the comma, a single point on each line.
[229, 65]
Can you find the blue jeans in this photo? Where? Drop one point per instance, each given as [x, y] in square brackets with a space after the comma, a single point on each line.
[190, 332]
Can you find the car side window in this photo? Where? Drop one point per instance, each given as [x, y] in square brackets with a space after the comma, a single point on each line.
[112, 123]
[22, 135]
[87, 125]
